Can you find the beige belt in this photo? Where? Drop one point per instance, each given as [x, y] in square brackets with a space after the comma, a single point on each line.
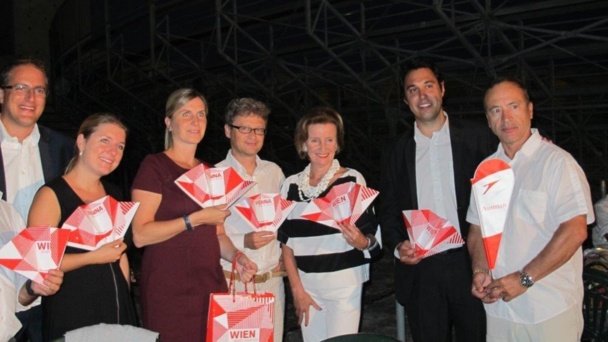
[260, 278]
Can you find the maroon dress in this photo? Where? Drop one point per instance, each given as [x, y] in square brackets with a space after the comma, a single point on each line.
[177, 274]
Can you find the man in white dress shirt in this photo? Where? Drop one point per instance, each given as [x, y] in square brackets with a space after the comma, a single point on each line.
[245, 126]
[30, 154]
[10, 224]
[535, 291]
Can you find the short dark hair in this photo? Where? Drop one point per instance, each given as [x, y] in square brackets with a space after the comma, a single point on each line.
[420, 63]
[7, 73]
[245, 106]
[502, 79]
[318, 115]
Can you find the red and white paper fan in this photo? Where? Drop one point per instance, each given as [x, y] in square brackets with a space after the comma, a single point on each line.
[429, 233]
[99, 222]
[344, 203]
[264, 212]
[35, 251]
[212, 186]
[492, 188]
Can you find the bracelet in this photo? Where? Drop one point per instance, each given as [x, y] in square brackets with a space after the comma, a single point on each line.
[376, 244]
[188, 224]
[236, 256]
[480, 271]
[29, 290]
[369, 242]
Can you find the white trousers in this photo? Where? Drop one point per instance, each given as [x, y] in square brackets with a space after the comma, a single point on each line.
[565, 327]
[340, 314]
[276, 286]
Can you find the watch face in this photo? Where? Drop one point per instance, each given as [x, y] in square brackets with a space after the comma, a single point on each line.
[526, 279]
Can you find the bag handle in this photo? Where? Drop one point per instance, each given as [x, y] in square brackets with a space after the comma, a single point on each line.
[232, 287]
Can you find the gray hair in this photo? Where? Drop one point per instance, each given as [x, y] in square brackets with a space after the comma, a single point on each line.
[245, 106]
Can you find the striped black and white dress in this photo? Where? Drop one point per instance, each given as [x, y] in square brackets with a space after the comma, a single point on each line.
[323, 257]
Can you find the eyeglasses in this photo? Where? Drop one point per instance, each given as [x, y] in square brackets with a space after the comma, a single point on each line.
[247, 130]
[23, 89]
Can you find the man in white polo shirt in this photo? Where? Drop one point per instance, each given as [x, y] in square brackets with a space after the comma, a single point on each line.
[535, 292]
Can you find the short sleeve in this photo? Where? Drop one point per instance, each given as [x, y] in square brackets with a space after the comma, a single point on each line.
[149, 176]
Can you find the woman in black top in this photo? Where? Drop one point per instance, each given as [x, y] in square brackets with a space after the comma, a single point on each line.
[95, 287]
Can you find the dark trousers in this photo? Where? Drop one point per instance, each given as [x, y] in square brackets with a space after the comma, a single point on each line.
[441, 300]
[32, 325]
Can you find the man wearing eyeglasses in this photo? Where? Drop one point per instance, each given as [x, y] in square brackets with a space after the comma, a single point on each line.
[245, 126]
[30, 154]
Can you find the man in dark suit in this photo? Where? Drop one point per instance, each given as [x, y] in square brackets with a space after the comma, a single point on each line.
[430, 167]
[30, 154]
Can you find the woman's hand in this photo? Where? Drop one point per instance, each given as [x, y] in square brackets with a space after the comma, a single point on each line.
[302, 303]
[110, 252]
[211, 215]
[245, 267]
[353, 236]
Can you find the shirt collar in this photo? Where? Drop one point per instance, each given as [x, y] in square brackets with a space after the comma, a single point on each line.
[33, 138]
[528, 148]
[443, 132]
[231, 161]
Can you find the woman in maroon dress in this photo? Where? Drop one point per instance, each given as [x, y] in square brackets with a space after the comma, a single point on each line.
[184, 243]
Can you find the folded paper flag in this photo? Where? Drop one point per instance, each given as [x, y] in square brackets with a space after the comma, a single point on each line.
[35, 251]
[344, 203]
[429, 233]
[212, 186]
[264, 212]
[492, 188]
[99, 222]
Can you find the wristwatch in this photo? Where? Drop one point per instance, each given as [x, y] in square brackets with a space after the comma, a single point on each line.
[29, 290]
[525, 279]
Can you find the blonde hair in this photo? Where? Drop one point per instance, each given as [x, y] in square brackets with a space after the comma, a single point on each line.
[177, 100]
[318, 115]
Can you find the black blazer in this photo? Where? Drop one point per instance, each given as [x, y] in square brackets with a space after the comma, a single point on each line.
[471, 143]
[56, 150]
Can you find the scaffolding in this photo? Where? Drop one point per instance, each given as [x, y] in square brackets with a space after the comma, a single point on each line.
[127, 56]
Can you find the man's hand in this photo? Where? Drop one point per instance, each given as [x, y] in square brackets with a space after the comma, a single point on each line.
[407, 253]
[257, 240]
[480, 286]
[52, 283]
[508, 287]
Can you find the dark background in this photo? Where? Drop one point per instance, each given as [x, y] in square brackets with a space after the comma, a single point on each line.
[127, 56]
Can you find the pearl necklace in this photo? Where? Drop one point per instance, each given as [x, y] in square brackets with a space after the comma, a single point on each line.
[305, 190]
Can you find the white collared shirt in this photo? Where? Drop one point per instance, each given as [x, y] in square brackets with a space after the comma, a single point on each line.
[435, 173]
[9, 324]
[10, 282]
[22, 169]
[269, 178]
[550, 188]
